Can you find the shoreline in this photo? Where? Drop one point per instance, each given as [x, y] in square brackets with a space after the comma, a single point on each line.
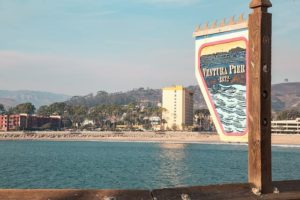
[282, 140]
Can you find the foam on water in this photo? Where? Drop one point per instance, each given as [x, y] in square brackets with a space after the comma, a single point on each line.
[230, 103]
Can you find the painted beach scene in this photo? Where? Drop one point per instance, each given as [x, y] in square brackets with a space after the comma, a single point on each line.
[224, 70]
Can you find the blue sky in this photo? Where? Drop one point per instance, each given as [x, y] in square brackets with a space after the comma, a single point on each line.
[82, 46]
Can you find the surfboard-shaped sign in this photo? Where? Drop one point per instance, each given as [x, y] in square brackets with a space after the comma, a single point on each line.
[221, 70]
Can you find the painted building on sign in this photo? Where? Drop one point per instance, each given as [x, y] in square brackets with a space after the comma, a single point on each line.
[221, 56]
[177, 103]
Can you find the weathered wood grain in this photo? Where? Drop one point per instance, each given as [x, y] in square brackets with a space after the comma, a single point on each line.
[259, 100]
[287, 190]
[69, 194]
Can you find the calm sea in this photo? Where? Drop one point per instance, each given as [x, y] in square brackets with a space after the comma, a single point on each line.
[41, 164]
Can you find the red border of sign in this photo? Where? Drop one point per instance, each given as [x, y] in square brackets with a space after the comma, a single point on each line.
[247, 81]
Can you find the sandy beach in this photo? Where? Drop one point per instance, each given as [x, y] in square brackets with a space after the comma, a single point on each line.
[166, 137]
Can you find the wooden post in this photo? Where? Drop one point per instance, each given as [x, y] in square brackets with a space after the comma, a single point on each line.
[259, 100]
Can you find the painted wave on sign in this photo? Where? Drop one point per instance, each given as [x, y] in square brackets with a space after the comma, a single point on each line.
[230, 104]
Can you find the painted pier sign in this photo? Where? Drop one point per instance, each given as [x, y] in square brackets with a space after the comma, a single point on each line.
[221, 71]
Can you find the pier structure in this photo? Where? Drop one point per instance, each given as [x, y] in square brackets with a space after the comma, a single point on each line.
[286, 190]
[259, 102]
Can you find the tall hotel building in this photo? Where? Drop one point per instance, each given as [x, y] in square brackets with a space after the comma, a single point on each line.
[177, 102]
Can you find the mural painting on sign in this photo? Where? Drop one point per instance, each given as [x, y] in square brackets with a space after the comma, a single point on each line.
[221, 70]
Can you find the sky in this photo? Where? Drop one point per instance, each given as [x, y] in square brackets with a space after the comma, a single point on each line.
[77, 47]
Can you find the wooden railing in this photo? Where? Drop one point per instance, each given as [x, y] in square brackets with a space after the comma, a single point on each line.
[284, 190]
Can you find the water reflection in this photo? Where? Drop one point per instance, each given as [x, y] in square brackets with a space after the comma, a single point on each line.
[172, 146]
[172, 163]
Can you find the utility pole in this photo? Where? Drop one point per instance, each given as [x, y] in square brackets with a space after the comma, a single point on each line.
[259, 102]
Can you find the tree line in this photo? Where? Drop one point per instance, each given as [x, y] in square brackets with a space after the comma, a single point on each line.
[103, 116]
[108, 116]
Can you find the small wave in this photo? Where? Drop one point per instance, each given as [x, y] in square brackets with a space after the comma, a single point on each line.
[230, 103]
[286, 145]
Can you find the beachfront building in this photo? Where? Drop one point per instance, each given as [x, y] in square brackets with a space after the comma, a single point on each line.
[286, 126]
[155, 122]
[28, 122]
[10, 122]
[177, 103]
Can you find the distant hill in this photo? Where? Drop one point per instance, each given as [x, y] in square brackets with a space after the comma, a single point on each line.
[8, 102]
[199, 102]
[12, 98]
[151, 96]
[284, 96]
[237, 49]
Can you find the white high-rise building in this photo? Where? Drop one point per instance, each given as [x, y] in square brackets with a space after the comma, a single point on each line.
[177, 103]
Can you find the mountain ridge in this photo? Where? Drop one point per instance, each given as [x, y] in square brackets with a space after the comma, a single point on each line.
[10, 98]
[284, 96]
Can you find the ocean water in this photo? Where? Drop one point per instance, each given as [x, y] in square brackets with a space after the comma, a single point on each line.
[230, 103]
[44, 164]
